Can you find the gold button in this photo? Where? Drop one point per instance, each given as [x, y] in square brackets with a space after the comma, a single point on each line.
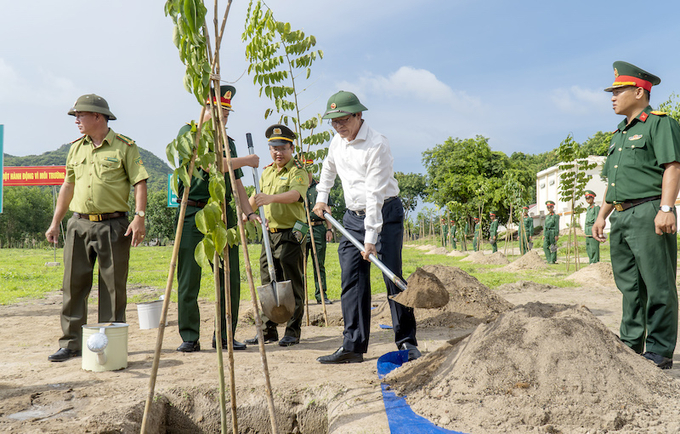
[616, 167]
[620, 149]
[625, 132]
[613, 184]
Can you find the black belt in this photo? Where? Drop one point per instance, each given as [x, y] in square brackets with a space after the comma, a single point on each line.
[362, 212]
[275, 230]
[318, 223]
[196, 204]
[622, 206]
[100, 217]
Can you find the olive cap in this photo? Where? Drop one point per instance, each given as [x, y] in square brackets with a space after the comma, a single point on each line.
[590, 193]
[343, 104]
[550, 203]
[627, 74]
[93, 104]
[279, 135]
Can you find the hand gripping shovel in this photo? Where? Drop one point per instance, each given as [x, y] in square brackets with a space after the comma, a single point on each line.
[393, 277]
[276, 298]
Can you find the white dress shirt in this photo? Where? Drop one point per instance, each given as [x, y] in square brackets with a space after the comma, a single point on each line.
[365, 167]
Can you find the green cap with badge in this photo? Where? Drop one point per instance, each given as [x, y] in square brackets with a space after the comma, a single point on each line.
[343, 104]
[92, 103]
[279, 134]
[627, 74]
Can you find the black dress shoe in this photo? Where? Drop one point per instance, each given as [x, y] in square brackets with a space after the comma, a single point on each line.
[659, 360]
[413, 351]
[288, 341]
[342, 356]
[238, 346]
[189, 347]
[271, 335]
[63, 354]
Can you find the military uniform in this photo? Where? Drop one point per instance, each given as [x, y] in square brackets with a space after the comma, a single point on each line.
[526, 234]
[188, 270]
[493, 233]
[103, 177]
[592, 245]
[452, 234]
[319, 228]
[551, 229]
[445, 233]
[475, 238]
[644, 263]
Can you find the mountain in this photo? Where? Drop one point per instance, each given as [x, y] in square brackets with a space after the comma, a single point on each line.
[158, 169]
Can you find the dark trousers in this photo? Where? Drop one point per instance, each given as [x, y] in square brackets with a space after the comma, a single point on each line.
[356, 279]
[320, 244]
[87, 242]
[189, 280]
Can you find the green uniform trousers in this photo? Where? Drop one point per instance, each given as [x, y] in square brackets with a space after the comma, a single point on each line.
[645, 266]
[523, 243]
[288, 263]
[86, 242]
[592, 246]
[320, 243]
[494, 245]
[475, 244]
[189, 280]
[548, 239]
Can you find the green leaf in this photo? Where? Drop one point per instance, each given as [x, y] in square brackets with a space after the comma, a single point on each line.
[204, 253]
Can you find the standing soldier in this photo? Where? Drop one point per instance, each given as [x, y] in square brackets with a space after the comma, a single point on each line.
[592, 246]
[322, 234]
[476, 237]
[100, 168]
[452, 234]
[551, 233]
[493, 232]
[528, 230]
[284, 182]
[445, 232]
[642, 170]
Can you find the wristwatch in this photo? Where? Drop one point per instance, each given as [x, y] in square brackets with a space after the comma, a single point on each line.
[666, 208]
[140, 213]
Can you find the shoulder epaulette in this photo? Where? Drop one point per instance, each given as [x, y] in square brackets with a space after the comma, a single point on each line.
[78, 139]
[298, 164]
[658, 113]
[125, 139]
[269, 165]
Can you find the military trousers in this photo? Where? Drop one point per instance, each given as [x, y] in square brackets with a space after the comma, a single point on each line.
[592, 246]
[86, 243]
[645, 267]
[320, 244]
[549, 239]
[494, 244]
[475, 242]
[288, 264]
[189, 280]
[356, 279]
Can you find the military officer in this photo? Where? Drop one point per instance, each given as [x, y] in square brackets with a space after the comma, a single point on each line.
[283, 183]
[188, 270]
[493, 232]
[476, 237]
[527, 230]
[445, 231]
[551, 233]
[452, 234]
[322, 234]
[592, 246]
[643, 179]
[100, 168]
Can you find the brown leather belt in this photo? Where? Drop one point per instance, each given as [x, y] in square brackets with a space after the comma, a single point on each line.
[196, 204]
[318, 223]
[275, 230]
[100, 217]
[622, 206]
[362, 212]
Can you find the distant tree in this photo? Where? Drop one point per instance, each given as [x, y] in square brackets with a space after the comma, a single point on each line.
[160, 220]
[597, 144]
[27, 213]
[411, 188]
[671, 107]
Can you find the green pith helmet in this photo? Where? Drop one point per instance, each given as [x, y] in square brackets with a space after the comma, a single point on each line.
[92, 103]
[343, 104]
[279, 135]
[227, 92]
[630, 75]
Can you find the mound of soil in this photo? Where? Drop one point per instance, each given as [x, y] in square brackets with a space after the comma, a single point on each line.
[529, 261]
[524, 286]
[424, 291]
[426, 247]
[599, 274]
[497, 258]
[551, 367]
[456, 253]
[438, 251]
[474, 257]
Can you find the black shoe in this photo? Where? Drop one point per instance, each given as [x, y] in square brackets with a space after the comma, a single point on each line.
[413, 351]
[326, 300]
[238, 346]
[189, 347]
[342, 356]
[271, 335]
[659, 360]
[288, 341]
[63, 354]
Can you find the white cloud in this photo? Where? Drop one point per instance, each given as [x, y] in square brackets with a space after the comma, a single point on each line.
[579, 101]
[44, 87]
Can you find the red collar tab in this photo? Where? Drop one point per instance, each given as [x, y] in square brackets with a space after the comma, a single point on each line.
[644, 116]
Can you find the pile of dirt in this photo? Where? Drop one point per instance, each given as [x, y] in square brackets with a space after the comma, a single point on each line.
[426, 247]
[474, 257]
[525, 286]
[496, 258]
[456, 253]
[424, 290]
[546, 367]
[438, 251]
[599, 274]
[529, 261]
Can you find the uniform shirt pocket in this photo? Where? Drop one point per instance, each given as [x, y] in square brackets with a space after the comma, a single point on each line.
[109, 167]
[80, 167]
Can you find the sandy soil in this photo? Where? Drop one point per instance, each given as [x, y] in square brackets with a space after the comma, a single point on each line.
[37, 396]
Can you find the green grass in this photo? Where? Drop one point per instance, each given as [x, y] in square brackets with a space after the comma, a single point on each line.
[24, 274]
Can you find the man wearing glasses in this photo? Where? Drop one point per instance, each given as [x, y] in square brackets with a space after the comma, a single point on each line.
[375, 217]
[643, 179]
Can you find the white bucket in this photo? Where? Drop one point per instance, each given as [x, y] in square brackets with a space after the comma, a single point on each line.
[116, 351]
[150, 314]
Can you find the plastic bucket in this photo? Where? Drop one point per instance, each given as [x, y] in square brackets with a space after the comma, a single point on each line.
[116, 350]
[150, 314]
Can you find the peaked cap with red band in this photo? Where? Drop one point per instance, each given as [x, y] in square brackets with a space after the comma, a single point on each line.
[630, 75]
[227, 92]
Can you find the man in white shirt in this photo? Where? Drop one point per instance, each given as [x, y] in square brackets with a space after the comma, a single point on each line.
[374, 216]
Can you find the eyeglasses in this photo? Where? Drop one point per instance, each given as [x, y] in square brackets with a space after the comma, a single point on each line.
[342, 121]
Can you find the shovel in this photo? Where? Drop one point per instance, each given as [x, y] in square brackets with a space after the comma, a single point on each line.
[276, 298]
[390, 275]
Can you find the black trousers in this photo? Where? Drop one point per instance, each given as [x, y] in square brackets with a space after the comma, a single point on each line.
[356, 279]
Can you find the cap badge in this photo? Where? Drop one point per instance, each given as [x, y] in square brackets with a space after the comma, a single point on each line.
[333, 106]
[616, 72]
[277, 130]
[227, 95]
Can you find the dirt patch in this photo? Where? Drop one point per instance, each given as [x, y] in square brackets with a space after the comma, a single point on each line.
[551, 367]
[438, 251]
[474, 257]
[496, 258]
[524, 286]
[529, 261]
[456, 253]
[598, 274]
[424, 291]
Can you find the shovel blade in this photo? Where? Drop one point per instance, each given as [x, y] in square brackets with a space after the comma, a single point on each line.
[277, 301]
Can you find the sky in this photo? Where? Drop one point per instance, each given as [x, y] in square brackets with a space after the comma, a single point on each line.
[522, 74]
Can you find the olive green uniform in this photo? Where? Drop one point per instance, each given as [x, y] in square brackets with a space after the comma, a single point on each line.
[287, 250]
[102, 179]
[493, 233]
[452, 235]
[188, 270]
[525, 237]
[592, 245]
[475, 239]
[444, 234]
[319, 228]
[644, 263]
[551, 229]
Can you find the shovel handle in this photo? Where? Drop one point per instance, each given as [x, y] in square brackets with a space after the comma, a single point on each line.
[265, 231]
[393, 277]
